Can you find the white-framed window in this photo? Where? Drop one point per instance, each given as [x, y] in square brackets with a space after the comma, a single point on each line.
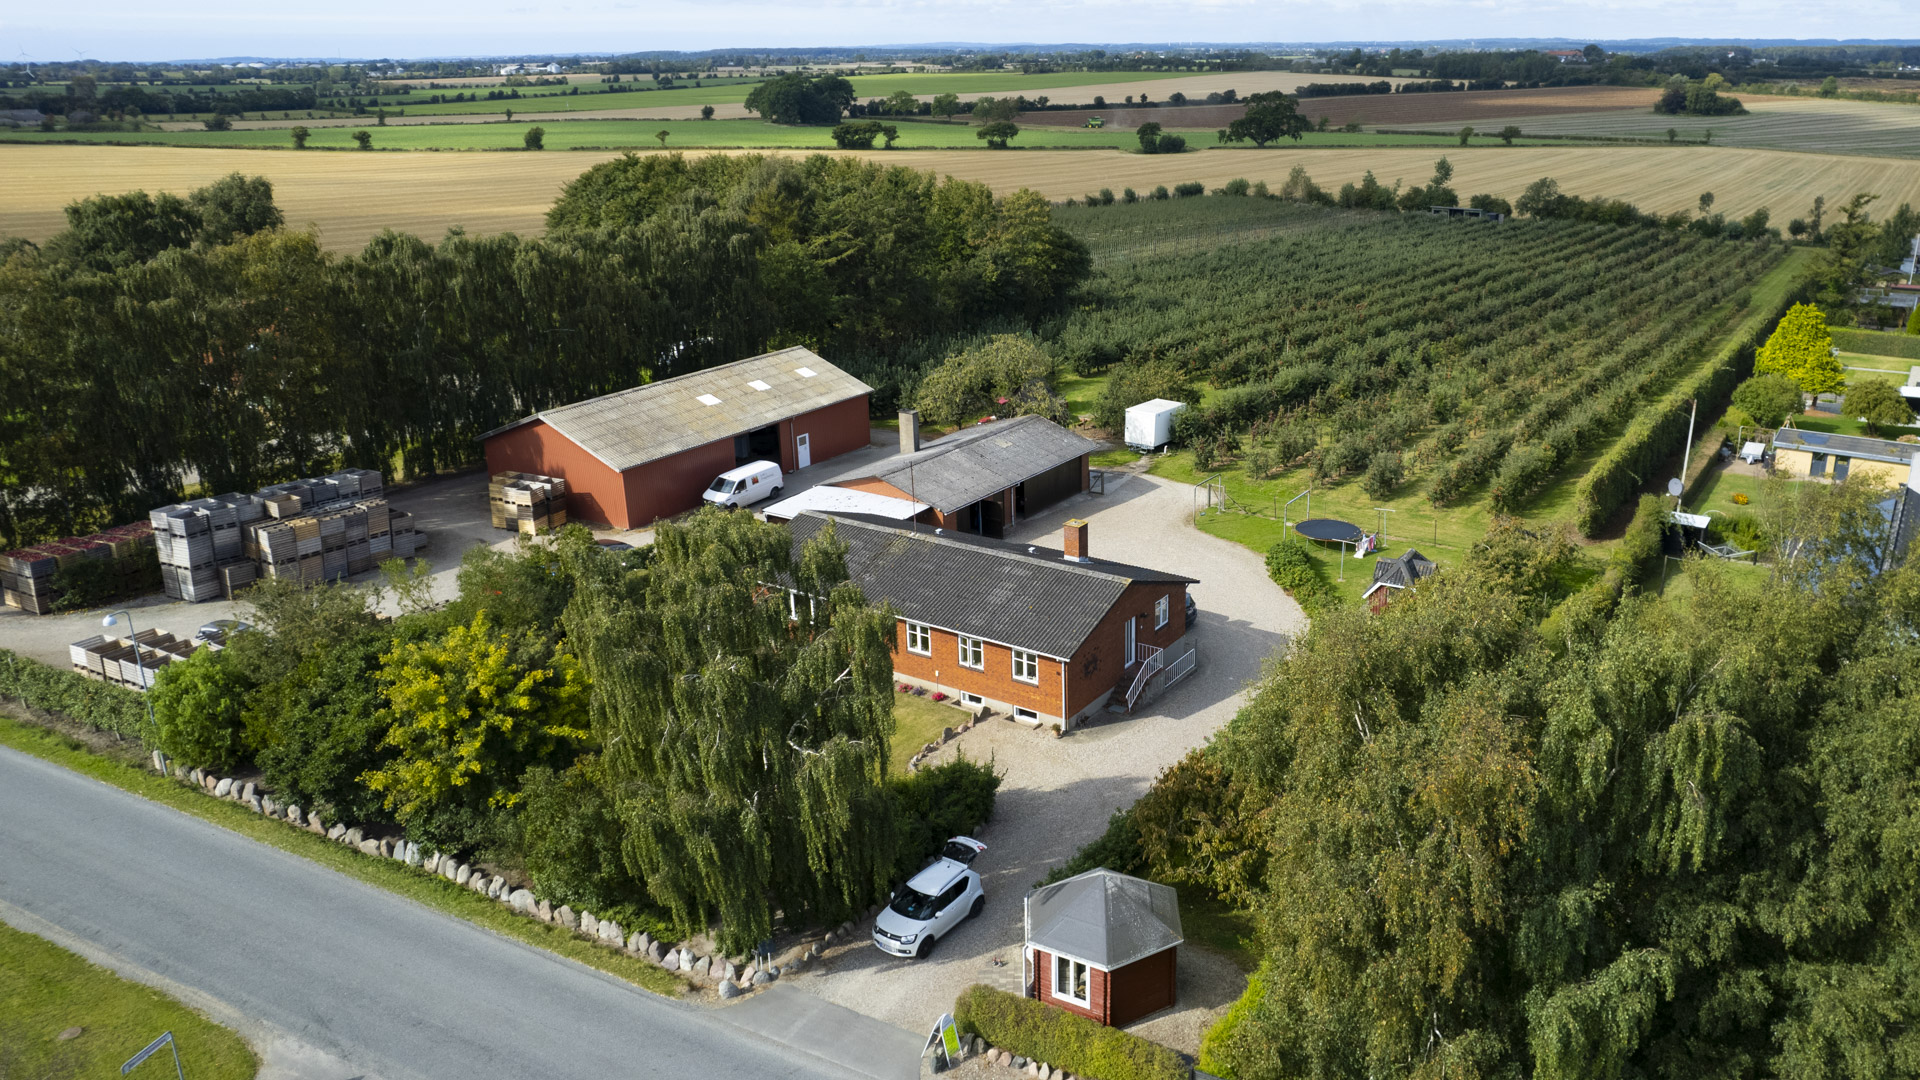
[1070, 981]
[972, 699]
[973, 653]
[1026, 667]
[919, 639]
[1161, 611]
[1025, 714]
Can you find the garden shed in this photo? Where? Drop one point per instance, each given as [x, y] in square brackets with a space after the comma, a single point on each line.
[1103, 945]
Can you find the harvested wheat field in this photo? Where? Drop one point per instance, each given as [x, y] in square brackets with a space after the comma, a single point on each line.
[350, 196]
[722, 111]
[1386, 110]
[1196, 87]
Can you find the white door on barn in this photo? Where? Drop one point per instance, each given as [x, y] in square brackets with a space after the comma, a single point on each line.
[803, 450]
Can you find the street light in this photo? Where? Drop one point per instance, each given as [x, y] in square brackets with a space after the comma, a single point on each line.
[141, 664]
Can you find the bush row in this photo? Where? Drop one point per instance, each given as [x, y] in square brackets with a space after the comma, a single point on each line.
[1585, 612]
[1660, 429]
[113, 709]
[1877, 343]
[1061, 1039]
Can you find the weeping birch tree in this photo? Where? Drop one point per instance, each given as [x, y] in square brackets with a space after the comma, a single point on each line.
[744, 726]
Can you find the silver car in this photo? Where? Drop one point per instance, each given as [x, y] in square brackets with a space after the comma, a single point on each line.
[933, 902]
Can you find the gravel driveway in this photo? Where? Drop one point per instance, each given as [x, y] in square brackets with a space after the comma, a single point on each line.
[1058, 793]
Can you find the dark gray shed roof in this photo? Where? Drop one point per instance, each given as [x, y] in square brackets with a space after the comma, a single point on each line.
[1037, 602]
[1853, 446]
[1403, 570]
[1107, 919]
[646, 423]
[976, 462]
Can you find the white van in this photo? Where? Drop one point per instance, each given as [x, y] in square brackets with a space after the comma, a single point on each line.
[744, 485]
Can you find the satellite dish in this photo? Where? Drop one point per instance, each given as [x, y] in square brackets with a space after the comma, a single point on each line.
[1674, 487]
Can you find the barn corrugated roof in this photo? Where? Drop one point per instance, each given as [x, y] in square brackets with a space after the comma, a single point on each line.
[1036, 601]
[646, 423]
[977, 462]
[1105, 918]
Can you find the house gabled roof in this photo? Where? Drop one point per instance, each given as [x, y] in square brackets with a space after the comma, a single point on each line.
[1029, 598]
[1853, 446]
[977, 462]
[1107, 919]
[659, 419]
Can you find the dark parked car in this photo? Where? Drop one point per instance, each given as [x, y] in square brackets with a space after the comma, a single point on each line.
[1193, 611]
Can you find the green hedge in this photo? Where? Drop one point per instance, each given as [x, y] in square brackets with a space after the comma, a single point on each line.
[1216, 1046]
[1878, 343]
[1654, 437]
[1062, 1039]
[110, 708]
[939, 801]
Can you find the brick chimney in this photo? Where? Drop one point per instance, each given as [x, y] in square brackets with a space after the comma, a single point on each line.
[909, 430]
[1074, 539]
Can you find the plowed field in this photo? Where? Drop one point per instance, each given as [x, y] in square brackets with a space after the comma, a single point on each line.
[1386, 110]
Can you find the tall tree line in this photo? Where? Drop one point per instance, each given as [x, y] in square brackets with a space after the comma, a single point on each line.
[158, 340]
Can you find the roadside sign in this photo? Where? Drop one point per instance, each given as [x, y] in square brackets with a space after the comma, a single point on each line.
[945, 1038]
[166, 1040]
[950, 1037]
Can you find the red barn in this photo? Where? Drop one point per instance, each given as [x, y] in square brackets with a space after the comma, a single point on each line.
[1103, 945]
[636, 456]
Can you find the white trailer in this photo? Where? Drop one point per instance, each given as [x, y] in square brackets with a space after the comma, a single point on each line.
[1150, 423]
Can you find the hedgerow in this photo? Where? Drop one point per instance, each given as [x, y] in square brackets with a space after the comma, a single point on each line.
[1062, 1039]
[113, 709]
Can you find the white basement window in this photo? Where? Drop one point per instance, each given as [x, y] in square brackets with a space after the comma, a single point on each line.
[709, 399]
[758, 385]
[973, 653]
[805, 372]
[1026, 667]
[919, 639]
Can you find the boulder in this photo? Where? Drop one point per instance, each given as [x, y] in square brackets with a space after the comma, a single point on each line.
[946, 734]
[195, 777]
[247, 792]
[179, 772]
[1006, 1058]
[1019, 1062]
[1046, 1072]
[269, 806]
[383, 847]
[728, 991]
[645, 939]
[657, 953]
[448, 866]
[589, 924]
[337, 831]
[413, 854]
[636, 942]
[370, 847]
[431, 864]
[610, 932]
[494, 885]
[727, 970]
[462, 874]
[521, 900]
[295, 816]
[314, 826]
[764, 978]
[160, 763]
[702, 967]
[544, 912]
[564, 916]
[224, 788]
[686, 958]
[353, 837]
[253, 804]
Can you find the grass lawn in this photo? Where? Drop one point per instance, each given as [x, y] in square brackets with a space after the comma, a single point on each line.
[1109, 459]
[1083, 392]
[1218, 925]
[45, 990]
[1877, 365]
[432, 891]
[917, 722]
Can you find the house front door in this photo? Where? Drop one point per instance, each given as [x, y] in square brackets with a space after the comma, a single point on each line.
[803, 449]
[1130, 639]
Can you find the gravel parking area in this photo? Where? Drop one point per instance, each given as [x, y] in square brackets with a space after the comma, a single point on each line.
[1058, 793]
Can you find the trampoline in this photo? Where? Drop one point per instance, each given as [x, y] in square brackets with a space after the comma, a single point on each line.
[1330, 530]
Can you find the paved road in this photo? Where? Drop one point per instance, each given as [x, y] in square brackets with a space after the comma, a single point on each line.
[356, 981]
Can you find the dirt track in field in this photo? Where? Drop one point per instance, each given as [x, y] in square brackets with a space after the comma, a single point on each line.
[351, 196]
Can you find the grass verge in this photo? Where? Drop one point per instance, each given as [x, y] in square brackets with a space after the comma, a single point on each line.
[45, 990]
[427, 890]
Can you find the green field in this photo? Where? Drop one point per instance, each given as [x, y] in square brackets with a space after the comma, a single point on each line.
[46, 990]
[917, 722]
[681, 135]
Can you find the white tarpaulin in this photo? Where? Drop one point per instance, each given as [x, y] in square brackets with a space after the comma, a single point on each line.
[1753, 452]
[828, 499]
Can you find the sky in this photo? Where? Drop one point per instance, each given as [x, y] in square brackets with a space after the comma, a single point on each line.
[130, 30]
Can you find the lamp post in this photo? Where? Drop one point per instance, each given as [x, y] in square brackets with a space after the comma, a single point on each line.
[144, 676]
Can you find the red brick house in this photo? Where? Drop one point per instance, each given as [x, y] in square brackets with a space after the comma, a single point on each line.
[639, 455]
[1104, 946]
[1045, 636]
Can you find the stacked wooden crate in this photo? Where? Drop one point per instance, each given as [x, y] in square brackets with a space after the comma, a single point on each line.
[183, 533]
[131, 662]
[527, 502]
[26, 575]
[306, 530]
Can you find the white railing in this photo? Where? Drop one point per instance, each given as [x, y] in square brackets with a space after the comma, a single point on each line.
[1182, 667]
[1150, 665]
